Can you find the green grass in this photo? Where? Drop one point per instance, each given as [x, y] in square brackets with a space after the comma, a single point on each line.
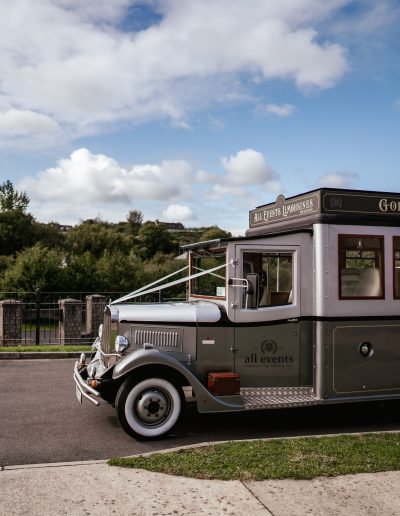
[8, 349]
[302, 458]
[32, 326]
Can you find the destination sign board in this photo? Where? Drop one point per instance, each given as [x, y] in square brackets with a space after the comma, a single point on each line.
[327, 201]
[364, 203]
[284, 209]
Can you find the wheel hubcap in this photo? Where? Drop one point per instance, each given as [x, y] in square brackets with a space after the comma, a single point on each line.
[152, 406]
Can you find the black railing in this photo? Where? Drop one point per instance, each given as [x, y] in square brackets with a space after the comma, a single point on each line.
[41, 314]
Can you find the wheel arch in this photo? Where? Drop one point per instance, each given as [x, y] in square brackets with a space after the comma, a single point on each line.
[149, 362]
[155, 371]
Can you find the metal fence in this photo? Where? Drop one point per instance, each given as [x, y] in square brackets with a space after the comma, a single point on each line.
[41, 314]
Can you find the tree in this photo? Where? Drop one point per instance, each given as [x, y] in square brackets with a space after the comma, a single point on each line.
[135, 220]
[95, 237]
[11, 200]
[17, 231]
[154, 238]
[81, 273]
[119, 272]
[50, 235]
[35, 267]
[214, 233]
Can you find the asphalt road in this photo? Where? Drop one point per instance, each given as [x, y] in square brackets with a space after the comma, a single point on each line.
[42, 422]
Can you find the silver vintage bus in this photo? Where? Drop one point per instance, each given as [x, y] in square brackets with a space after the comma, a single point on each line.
[305, 309]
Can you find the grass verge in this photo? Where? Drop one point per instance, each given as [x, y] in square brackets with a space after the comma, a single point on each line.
[301, 458]
[21, 349]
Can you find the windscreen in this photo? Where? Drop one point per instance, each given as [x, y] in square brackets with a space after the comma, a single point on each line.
[213, 283]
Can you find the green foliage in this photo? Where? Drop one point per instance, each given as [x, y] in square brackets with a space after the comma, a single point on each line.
[95, 237]
[81, 273]
[154, 238]
[17, 231]
[49, 235]
[214, 233]
[36, 267]
[11, 200]
[94, 256]
[118, 272]
[135, 220]
[5, 262]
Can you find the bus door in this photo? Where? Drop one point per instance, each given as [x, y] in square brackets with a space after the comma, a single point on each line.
[267, 327]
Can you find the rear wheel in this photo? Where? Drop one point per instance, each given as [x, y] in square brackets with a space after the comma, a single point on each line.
[150, 408]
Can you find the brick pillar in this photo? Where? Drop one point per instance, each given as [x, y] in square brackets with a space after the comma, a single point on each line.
[10, 322]
[70, 324]
[95, 305]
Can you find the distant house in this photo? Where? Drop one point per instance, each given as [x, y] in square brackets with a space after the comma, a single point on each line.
[171, 226]
[64, 228]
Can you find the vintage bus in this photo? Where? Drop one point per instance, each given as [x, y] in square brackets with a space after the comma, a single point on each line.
[304, 309]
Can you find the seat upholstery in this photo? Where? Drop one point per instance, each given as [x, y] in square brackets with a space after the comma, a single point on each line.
[350, 281]
[370, 283]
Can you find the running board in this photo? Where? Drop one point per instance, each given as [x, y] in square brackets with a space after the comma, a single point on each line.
[277, 397]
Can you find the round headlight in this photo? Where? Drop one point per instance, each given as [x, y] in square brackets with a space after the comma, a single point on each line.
[121, 343]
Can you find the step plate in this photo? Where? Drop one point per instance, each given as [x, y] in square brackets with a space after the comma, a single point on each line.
[277, 397]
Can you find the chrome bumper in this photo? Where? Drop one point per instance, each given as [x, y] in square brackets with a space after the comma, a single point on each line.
[83, 388]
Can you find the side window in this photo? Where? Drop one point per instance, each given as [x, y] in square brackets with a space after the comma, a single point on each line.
[396, 267]
[275, 276]
[361, 267]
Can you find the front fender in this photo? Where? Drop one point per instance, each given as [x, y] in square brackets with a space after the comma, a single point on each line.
[206, 402]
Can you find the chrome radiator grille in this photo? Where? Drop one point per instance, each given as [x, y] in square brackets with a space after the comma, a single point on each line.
[164, 338]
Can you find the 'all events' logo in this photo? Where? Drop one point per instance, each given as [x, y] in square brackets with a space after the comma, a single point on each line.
[268, 356]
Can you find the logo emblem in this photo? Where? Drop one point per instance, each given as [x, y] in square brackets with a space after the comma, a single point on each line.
[336, 203]
[269, 347]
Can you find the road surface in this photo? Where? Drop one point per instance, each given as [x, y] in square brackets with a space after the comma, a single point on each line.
[42, 422]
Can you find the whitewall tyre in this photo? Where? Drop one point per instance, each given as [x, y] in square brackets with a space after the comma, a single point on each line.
[149, 409]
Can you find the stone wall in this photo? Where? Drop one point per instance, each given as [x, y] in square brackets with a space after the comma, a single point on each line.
[10, 322]
[95, 305]
[70, 324]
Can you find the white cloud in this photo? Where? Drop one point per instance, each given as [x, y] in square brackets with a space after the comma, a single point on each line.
[280, 110]
[80, 70]
[247, 167]
[90, 178]
[203, 177]
[338, 180]
[244, 172]
[27, 126]
[178, 213]
[87, 185]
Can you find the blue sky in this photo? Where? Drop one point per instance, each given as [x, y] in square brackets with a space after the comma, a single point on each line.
[196, 111]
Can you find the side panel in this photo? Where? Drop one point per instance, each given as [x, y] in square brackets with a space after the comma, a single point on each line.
[179, 340]
[275, 355]
[214, 353]
[352, 374]
[327, 302]
[268, 356]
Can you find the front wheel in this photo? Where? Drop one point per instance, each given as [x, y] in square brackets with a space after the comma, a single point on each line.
[150, 408]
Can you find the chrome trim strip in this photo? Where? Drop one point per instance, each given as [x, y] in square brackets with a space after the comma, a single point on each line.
[85, 389]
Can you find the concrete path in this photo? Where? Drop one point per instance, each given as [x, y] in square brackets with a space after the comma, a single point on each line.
[95, 488]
